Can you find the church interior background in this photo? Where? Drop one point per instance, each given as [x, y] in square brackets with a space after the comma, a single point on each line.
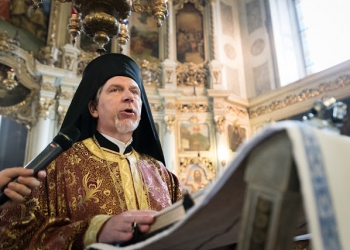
[215, 72]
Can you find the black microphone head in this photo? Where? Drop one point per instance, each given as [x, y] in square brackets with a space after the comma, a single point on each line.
[66, 137]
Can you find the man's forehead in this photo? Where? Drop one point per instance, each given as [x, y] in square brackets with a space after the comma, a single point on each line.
[121, 81]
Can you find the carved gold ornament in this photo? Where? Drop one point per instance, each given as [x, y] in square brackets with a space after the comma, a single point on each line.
[304, 95]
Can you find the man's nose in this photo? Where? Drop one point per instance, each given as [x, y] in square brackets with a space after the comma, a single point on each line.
[128, 96]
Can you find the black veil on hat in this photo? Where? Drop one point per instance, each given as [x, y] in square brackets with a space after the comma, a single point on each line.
[96, 73]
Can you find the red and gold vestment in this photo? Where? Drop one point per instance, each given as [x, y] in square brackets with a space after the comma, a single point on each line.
[84, 187]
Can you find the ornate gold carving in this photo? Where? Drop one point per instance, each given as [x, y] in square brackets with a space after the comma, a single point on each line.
[220, 123]
[237, 111]
[21, 112]
[5, 41]
[156, 107]
[189, 74]
[7, 44]
[204, 162]
[170, 122]
[219, 105]
[150, 72]
[158, 9]
[179, 4]
[304, 95]
[66, 95]
[170, 105]
[62, 110]
[48, 86]
[194, 120]
[193, 107]
[45, 105]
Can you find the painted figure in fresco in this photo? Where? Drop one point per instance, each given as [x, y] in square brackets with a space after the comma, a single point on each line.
[196, 180]
[110, 181]
[189, 36]
[198, 141]
[23, 16]
[185, 135]
[236, 136]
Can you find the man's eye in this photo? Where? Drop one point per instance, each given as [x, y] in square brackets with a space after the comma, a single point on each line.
[115, 90]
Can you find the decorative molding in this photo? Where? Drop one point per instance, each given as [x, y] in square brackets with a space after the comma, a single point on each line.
[61, 112]
[22, 112]
[220, 123]
[170, 122]
[199, 4]
[156, 107]
[170, 105]
[83, 60]
[237, 111]
[194, 119]
[257, 47]
[189, 74]
[45, 107]
[230, 51]
[150, 72]
[204, 162]
[305, 94]
[193, 107]
[68, 62]
[217, 78]
[48, 87]
[212, 40]
[219, 105]
[168, 74]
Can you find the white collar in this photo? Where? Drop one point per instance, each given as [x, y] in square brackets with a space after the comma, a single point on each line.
[121, 145]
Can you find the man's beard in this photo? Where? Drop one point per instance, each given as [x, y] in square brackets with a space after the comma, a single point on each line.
[126, 126]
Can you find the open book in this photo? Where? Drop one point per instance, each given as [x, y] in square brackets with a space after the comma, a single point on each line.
[168, 216]
[256, 199]
[172, 214]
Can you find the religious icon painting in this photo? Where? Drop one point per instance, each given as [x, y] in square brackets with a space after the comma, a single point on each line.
[144, 37]
[196, 178]
[27, 27]
[236, 135]
[189, 35]
[194, 137]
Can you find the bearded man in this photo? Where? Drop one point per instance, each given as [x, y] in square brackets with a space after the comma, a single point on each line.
[111, 180]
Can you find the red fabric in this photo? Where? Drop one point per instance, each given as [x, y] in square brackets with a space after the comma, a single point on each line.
[79, 186]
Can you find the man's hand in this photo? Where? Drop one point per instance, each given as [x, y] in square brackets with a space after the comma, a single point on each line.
[119, 228]
[16, 191]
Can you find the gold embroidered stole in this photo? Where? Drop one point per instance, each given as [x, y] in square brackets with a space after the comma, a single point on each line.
[135, 190]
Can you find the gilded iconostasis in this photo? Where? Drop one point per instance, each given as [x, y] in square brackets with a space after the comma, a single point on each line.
[208, 72]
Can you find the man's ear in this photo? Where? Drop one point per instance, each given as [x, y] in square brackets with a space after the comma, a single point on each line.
[93, 109]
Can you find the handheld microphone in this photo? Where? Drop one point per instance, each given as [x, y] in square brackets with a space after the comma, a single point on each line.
[62, 141]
